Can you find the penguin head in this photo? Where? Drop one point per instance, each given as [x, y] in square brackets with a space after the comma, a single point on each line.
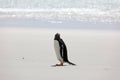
[57, 36]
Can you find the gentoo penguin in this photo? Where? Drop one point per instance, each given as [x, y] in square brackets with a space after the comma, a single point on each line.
[61, 50]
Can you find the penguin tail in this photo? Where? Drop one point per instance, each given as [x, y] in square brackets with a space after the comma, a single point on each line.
[71, 63]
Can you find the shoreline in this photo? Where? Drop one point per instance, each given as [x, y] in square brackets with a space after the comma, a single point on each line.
[37, 23]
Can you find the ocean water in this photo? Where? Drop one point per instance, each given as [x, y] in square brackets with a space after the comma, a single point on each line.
[62, 10]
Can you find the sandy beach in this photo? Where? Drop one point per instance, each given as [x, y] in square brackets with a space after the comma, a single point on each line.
[28, 54]
[90, 29]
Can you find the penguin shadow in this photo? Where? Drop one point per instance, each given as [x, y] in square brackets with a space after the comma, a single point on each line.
[59, 66]
[65, 65]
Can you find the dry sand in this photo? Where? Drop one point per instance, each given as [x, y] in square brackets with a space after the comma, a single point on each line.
[28, 54]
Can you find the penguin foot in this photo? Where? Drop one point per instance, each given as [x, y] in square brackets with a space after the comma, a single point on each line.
[61, 64]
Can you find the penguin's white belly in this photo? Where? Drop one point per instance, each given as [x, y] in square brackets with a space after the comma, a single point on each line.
[57, 50]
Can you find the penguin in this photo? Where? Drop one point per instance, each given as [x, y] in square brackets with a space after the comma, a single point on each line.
[61, 50]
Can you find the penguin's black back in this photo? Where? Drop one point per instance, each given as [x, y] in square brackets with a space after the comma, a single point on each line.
[63, 50]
